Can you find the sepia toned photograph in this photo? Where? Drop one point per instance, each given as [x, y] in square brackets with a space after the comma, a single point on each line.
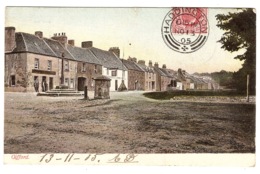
[128, 81]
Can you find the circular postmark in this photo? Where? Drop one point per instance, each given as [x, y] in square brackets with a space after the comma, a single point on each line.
[185, 30]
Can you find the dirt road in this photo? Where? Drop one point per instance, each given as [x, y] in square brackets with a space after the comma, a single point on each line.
[128, 122]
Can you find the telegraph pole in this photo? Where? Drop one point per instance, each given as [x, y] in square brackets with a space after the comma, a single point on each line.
[62, 68]
[247, 88]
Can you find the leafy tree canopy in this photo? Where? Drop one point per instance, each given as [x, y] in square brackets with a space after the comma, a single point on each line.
[240, 33]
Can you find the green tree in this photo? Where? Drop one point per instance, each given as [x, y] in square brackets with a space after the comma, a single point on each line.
[240, 33]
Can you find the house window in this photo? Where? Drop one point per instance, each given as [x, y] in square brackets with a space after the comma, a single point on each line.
[71, 68]
[36, 63]
[14, 65]
[107, 71]
[71, 83]
[66, 82]
[66, 65]
[13, 80]
[114, 73]
[49, 65]
[95, 68]
[83, 67]
[123, 74]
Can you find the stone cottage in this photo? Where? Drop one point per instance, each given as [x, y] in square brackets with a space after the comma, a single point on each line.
[88, 66]
[112, 67]
[35, 63]
[164, 78]
[136, 75]
[150, 75]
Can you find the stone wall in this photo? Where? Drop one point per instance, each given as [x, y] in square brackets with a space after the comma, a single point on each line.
[150, 81]
[43, 71]
[165, 81]
[15, 65]
[91, 70]
[136, 80]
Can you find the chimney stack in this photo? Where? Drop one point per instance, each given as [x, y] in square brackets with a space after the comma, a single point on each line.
[132, 59]
[141, 62]
[164, 66]
[115, 50]
[39, 34]
[62, 38]
[150, 63]
[71, 42]
[86, 44]
[156, 65]
[10, 42]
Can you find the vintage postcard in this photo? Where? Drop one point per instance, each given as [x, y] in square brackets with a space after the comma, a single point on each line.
[171, 86]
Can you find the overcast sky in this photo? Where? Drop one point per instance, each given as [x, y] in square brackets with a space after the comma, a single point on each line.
[136, 31]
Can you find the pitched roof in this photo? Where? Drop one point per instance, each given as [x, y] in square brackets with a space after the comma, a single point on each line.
[195, 79]
[146, 68]
[82, 54]
[30, 43]
[58, 49]
[159, 71]
[130, 65]
[107, 59]
[166, 72]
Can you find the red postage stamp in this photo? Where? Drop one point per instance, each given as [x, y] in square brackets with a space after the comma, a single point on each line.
[185, 30]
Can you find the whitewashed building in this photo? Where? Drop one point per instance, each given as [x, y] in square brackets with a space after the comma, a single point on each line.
[112, 67]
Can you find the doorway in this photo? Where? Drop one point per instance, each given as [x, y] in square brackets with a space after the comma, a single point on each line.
[44, 84]
[136, 87]
[51, 83]
[116, 85]
[71, 83]
[153, 85]
[81, 83]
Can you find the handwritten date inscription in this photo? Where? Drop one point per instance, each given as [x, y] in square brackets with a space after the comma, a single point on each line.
[119, 158]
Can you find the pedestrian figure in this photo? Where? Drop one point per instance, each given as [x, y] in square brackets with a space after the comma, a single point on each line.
[43, 86]
[36, 85]
[46, 86]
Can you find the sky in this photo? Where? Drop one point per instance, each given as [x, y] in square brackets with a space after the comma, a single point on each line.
[136, 31]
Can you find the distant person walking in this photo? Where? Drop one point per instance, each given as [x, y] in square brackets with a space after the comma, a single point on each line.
[43, 86]
[36, 85]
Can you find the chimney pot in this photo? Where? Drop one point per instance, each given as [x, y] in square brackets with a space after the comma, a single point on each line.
[87, 44]
[10, 42]
[115, 50]
[141, 62]
[164, 66]
[71, 42]
[150, 63]
[61, 38]
[39, 34]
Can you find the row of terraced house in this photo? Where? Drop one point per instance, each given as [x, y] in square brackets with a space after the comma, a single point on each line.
[52, 62]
